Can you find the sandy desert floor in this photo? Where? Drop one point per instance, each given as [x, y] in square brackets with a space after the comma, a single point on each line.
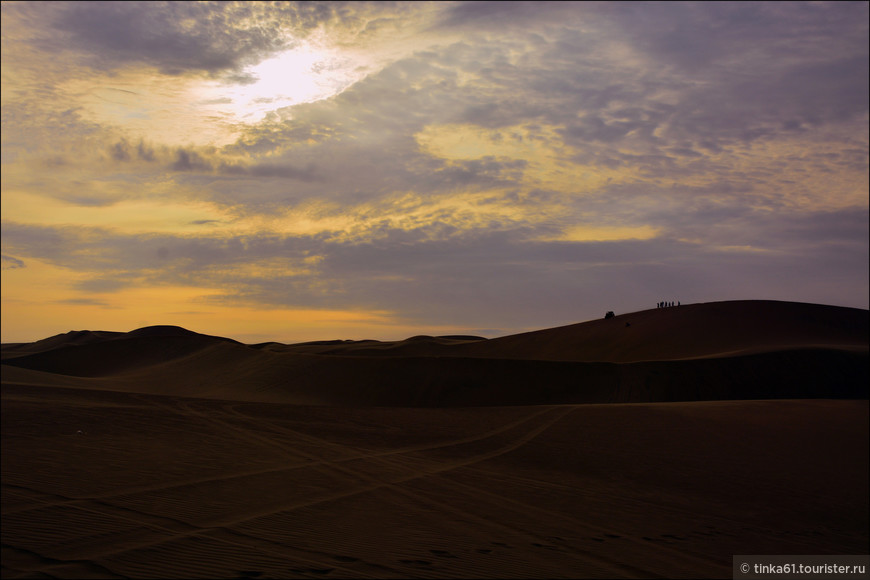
[173, 487]
[651, 444]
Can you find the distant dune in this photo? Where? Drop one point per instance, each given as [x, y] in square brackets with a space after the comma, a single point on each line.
[711, 351]
[730, 428]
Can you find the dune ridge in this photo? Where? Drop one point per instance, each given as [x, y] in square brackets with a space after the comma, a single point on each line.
[710, 351]
[596, 450]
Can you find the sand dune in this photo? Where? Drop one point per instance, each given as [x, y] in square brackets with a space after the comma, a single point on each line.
[729, 350]
[689, 331]
[705, 431]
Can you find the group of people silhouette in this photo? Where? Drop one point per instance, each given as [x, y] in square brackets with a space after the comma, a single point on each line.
[667, 304]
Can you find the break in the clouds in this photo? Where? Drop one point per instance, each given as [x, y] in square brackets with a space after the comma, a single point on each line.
[178, 38]
[428, 167]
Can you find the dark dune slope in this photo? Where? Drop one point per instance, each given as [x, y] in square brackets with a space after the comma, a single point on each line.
[691, 331]
[71, 338]
[96, 354]
[730, 350]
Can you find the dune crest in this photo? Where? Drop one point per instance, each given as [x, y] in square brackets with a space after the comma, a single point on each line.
[710, 351]
[165, 453]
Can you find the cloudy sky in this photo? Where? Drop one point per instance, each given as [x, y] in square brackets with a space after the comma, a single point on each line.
[299, 171]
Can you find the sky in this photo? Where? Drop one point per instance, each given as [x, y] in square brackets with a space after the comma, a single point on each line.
[297, 171]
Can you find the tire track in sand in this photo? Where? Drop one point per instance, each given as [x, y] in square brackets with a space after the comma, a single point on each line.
[417, 497]
[219, 530]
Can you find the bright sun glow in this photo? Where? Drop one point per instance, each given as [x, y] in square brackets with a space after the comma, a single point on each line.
[192, 111]
[301, 75]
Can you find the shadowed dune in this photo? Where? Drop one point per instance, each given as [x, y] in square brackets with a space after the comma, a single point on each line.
[730, 428]
[727, 350]
[71, 338]
[691, 331]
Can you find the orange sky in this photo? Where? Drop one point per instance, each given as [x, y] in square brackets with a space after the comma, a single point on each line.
[291, 172]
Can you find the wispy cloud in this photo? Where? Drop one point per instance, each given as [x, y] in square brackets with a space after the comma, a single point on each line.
[10, 263]
[488, 164]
